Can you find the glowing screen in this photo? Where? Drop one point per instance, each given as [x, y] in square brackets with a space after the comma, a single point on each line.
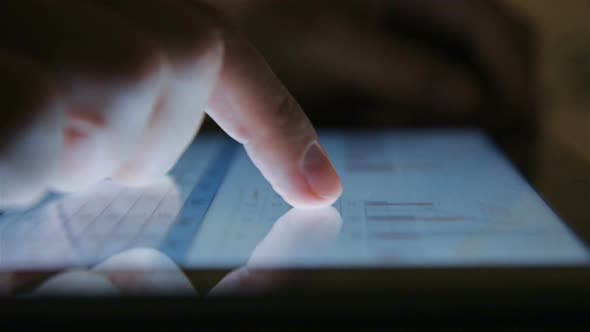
[411, 198]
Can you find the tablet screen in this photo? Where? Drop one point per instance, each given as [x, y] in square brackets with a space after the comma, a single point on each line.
[411, 198]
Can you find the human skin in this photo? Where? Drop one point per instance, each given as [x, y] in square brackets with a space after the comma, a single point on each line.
[118, 89]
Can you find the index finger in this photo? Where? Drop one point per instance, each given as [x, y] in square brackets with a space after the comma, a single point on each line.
[254, 108]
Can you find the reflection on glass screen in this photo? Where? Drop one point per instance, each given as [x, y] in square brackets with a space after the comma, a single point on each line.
[411, 198]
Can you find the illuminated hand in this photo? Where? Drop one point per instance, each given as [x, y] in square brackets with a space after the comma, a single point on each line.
[110, 88]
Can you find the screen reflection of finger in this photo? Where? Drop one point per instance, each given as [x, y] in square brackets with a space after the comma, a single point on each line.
[296, 239]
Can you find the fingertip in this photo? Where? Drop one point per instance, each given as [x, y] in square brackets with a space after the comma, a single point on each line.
[320, 174]
[307, 181]
[311, 201]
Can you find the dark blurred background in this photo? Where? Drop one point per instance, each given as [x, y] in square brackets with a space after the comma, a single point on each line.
[563, 49]
[518, 68]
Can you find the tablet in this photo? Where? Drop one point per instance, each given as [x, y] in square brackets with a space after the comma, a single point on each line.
[421, 209]
[411, 199]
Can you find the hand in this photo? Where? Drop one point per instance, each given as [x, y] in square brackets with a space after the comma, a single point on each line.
[458, 60]
[117, 89]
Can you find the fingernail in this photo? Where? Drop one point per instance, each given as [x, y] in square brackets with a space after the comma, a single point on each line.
[320, 174]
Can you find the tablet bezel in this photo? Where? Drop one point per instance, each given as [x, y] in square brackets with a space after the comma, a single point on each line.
[425, 297]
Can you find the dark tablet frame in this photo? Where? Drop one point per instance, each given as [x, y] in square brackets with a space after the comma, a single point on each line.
[427, 298]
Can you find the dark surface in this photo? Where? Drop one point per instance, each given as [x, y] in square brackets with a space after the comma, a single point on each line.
[431, 298]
